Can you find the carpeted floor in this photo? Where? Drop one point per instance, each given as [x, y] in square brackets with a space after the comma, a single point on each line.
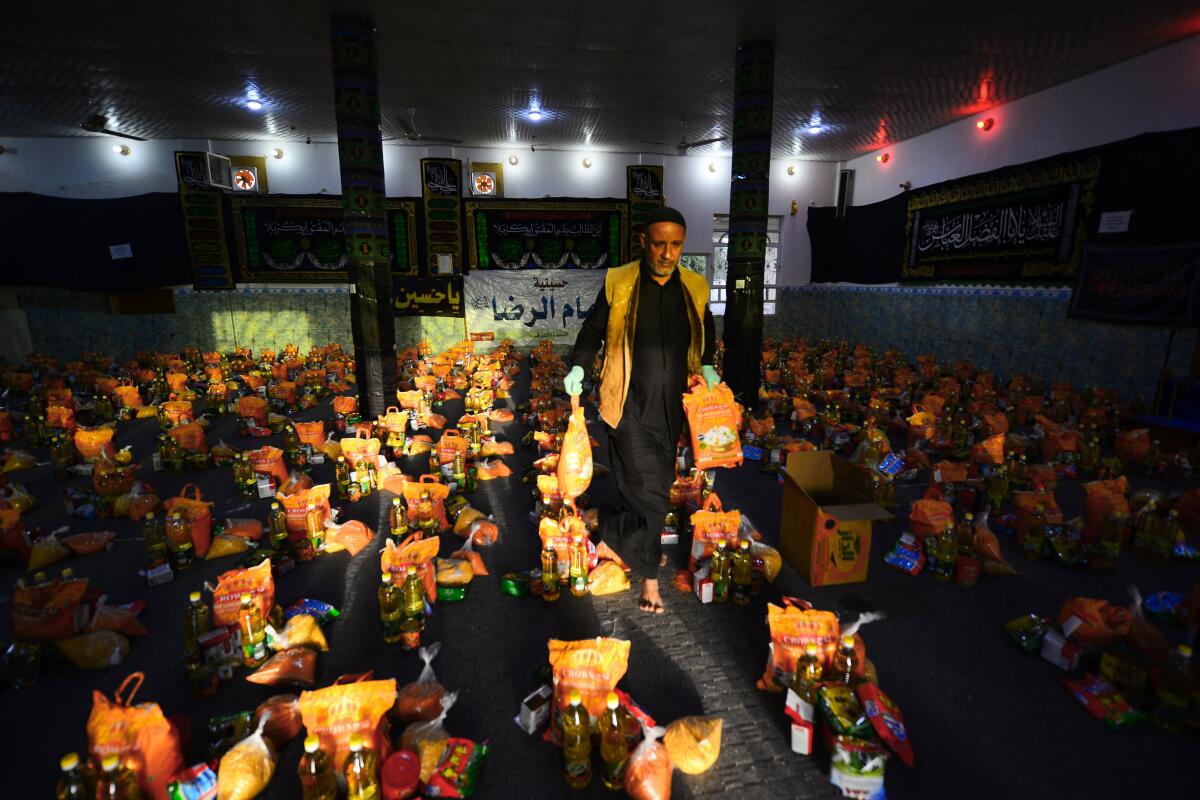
[986, 720]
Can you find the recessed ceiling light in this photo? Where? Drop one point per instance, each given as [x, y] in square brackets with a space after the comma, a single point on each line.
[587, 163]
[512, 160]
[814, 129]
[121, 149]
[277, 152]
[535, 115]
[253, 105]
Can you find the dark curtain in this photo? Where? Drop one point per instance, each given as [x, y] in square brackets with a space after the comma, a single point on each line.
[865, 246]
[63, 242]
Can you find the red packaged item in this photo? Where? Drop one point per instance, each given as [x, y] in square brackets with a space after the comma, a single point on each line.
[886, 719]
[1103, 701]
[458, 770]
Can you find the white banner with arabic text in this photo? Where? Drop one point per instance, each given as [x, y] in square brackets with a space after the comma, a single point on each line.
[530, 305]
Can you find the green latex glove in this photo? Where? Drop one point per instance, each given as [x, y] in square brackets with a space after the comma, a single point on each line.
[710, 375]
[573, 383]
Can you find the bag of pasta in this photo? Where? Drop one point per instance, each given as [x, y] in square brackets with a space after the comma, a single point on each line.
[428, 739]
[694, 743]
[713, 421]
[575, 457]
[246, 769]
[648, 773]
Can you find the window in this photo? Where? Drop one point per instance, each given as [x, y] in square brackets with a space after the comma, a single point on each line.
[718, 279]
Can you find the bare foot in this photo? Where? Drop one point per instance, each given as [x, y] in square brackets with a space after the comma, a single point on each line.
[662, 560]
[651, 601]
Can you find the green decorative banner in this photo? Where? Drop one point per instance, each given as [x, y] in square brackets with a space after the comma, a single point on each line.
[283, 240]
[547, 234]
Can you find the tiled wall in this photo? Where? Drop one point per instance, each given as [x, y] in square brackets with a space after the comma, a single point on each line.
[1003, 330]
[1007, 331]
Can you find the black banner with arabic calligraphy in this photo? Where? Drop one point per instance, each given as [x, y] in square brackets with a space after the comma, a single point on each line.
[428, 297]
[547, 234]
[300, 239]
[1139, 285]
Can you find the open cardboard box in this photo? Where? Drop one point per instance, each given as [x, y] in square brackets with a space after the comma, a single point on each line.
[825, 527]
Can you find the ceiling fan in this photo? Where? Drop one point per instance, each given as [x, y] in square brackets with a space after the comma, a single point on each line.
[683, 145]
[98, 123]
[411, 133]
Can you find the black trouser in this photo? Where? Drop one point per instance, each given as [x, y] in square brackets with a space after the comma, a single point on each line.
[642, 457]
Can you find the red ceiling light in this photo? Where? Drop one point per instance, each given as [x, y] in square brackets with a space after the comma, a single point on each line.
[986, 124]
[883, 158]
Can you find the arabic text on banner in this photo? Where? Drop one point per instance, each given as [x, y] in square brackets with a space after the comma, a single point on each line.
[530, 306]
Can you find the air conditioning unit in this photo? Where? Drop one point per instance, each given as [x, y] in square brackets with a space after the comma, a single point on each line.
[220, 171]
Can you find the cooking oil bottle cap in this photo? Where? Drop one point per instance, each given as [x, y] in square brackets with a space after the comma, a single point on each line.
[1185, 651]
[194, 597]
[149, 515]
[69, 761]
[575, 698]
[109, 762]
[745, 544]
[356, 742]
[311, 744]
[811, 649]
[395, 501]
[247, 598]
[387, 577]
[612, 701]
[274, 504]
[847, 641]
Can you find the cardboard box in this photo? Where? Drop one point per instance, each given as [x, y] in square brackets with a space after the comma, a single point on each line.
[825, 528]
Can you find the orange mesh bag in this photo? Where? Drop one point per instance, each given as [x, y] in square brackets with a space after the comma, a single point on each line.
[575, 458]
[198, 512]
[94, 443]
[231, 585]
[140, 735]
[295, 506]
[253, 407]
[438, 492]
[989, 451]
[591, 666]
[1131, 446]
[793, 627]
[1104, 498]
[345, 404]
[190, 437]
[929, 517]
[175, 410]
[311, 433]
[713, 422]
[712, 524]
[268, 461]
[413, 552]
[352, 705]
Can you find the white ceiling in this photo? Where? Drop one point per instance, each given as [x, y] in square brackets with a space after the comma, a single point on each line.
[611, 74]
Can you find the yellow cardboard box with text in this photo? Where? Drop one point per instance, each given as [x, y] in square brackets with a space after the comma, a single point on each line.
[825, 527]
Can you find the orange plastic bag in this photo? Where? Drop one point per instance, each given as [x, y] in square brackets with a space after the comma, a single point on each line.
[1131, 446]
[311, 433]
[413, 552]
[593, 666]
[268, 461]
[295, 506]
[345, 404]
[575, 458]
[175, 410]
[94, 443]
[929, 517]
[1099, 623]
[438, 492]
[793, 628]
[353, 705]
[989, 451]
[713, 421]
[994, 423]
[451, 445]
[490, 470]
[84, 544]
[360, 447]
[256, 581]
[648, 773]
[284, 391]
[712, 524]
[409, 400]
[253, 407]
[949, 472]
[1058, 442]
[250, 529]
[190, 437]
[1027, 503]
[49, 612]
[1104, 498]
[351, 535]
[694, 743]
[140, 735]
[393, 420]
[198, 512]
[60, 417]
